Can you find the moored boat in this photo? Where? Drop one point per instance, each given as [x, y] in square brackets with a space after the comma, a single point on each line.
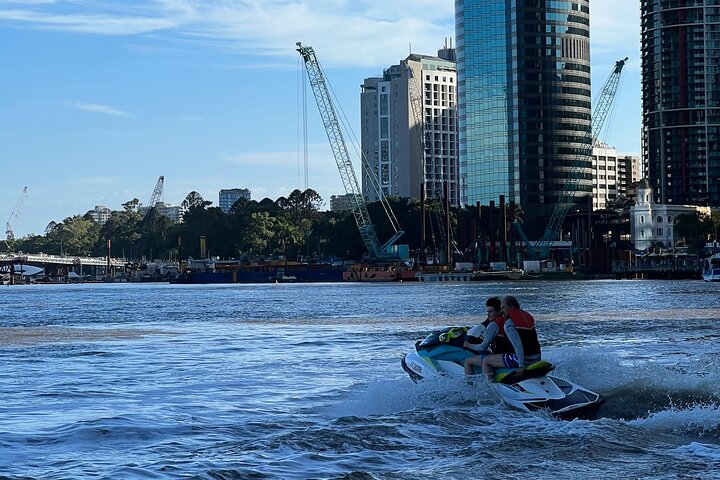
[474, 276]
[711, 268]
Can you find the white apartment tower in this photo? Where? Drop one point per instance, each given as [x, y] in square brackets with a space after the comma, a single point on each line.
[411, 107]
[605, 175]
[613, 174]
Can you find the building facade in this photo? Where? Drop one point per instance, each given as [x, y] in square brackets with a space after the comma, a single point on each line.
[653, 223]
[629, 173]
[524, 101]
[341, 203]
[411, 108]
[614, 175]
[681, 99]
[173, 212]
[229, 196]
[101, 214]
[605, 176]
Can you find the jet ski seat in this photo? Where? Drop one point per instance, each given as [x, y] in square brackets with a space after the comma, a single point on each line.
[534, 370]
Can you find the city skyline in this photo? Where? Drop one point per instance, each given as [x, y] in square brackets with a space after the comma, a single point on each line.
[98, 101]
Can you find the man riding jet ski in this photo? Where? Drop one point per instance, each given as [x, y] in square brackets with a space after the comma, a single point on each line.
[443, 353]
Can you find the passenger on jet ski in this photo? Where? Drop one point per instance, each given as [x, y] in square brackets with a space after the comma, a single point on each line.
[515, 337]
[476, 335]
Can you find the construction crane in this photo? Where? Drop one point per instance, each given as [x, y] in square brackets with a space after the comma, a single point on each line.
[541, 248]
[145, 224]
[342, 159]
[14, 216]
[157, 192]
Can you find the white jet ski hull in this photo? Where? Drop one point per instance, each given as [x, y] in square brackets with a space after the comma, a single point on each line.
[535, 390]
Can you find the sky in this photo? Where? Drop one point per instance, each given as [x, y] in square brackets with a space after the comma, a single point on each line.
[98, 98]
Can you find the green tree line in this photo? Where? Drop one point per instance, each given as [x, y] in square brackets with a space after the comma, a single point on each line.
[290, 226]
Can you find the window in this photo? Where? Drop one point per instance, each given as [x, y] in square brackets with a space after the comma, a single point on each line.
[659, 220]
[659, 232]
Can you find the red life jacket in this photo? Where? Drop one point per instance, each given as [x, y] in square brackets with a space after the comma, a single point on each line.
[525, 326]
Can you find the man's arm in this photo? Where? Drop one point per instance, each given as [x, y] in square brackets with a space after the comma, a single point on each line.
[514, 337]
[490, 333]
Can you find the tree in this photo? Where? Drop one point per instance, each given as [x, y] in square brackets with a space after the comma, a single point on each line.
[192, 200]
[257, 233]
[76, 235]
[122, 229]
[713, 221]
[694, 230]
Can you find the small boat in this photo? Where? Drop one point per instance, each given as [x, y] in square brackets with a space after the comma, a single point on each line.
[711, 268]
[442, 354]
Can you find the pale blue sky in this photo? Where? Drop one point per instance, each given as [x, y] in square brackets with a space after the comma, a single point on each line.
[98, 98]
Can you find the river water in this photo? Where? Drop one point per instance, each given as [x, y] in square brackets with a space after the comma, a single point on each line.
[304, 381]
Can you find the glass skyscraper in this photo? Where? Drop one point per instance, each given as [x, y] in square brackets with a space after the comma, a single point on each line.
[681, 99]
[524, 100]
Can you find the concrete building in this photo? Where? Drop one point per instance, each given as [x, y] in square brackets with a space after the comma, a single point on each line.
[629, 173]
[613, 175]
[652, 223]
[173, 212]
[680, 61]
[524, 102]
[101, 214]
[605, 175]
[229, 196]
[412, 104]
[341, 203]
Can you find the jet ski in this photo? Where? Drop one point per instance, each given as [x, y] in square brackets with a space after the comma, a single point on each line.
[442, 353]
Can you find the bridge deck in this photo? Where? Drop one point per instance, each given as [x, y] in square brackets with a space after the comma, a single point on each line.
[43, 259]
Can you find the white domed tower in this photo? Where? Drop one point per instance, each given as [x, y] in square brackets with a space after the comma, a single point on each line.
[641, 216]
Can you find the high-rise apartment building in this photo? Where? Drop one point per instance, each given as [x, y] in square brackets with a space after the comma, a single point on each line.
[524, 100]
[681, 99]
[629, 173]
[412, 101]
[613, 175]
[101, 214]
[174, 212]
[341, 203]
[605, 175]
[229, 196]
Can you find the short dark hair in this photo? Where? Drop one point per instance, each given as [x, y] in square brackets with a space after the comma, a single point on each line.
[512, 301]
[493, 302]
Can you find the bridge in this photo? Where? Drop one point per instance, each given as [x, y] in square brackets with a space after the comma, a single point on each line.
[59, 267]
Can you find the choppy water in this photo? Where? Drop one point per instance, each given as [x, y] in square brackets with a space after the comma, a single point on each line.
[304, 381]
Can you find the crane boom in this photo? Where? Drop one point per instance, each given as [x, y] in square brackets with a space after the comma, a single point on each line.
[416, 105]
[157, 192]
[342, 158]
[14, 216]
[552, 232]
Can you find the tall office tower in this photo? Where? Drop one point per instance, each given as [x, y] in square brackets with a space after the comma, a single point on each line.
[681, 99]
[228, 197]
[393, 107]
[524, 101]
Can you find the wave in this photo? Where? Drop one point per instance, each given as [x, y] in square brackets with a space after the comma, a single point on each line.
[700, 421]
[384, 397]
